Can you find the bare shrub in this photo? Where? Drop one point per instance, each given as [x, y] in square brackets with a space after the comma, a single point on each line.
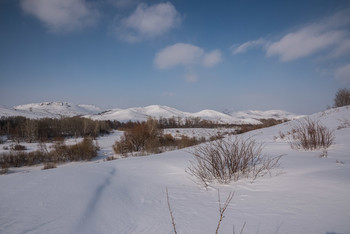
[342, 97]
[110, 158]
[49, 166]
[229, 159]
[18, 147]
[311, 135]
[4, 169]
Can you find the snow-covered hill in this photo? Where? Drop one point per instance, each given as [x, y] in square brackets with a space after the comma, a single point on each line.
[58, 109]
[307, 194]
[140, 113]
[157, 111]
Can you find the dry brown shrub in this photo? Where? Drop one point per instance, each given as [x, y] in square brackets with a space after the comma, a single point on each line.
[311, 135]
[49, 166]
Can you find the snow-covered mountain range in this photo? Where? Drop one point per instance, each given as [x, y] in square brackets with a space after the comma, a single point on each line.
[59, 109]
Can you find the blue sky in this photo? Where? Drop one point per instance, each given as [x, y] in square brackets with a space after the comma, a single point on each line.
[190, 55]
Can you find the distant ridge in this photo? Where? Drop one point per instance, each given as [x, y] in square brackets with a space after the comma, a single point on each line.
[60, 109]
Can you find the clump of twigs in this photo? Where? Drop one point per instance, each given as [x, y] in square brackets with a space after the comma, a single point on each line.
[222, 209]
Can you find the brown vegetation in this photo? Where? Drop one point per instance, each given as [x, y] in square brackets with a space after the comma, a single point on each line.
[147, 137]
[85, 150]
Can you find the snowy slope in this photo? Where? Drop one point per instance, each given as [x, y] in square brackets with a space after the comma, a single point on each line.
[57, 109]
[307, 195]
[7, 112]
[223, 118]
[273, 114]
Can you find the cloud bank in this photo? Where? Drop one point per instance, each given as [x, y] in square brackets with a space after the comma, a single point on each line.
[61, 16]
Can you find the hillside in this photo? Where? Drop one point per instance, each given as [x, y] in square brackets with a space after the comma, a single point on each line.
[56, 109]
[307, 194]
[270, 114]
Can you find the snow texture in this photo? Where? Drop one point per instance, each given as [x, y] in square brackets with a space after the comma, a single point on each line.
[307, 194]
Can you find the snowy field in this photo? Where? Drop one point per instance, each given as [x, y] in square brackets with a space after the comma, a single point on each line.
[306, 194]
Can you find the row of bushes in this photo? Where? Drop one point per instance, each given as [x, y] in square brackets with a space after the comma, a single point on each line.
[85, 150]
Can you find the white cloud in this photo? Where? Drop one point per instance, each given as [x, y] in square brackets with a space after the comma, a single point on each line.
[212, 58]
[304, 42]
[178, 54]
[247, 45]
[148, 22]
[329, 35]
[343, 74]
[61, 15]
[191, 77]
[342, 49]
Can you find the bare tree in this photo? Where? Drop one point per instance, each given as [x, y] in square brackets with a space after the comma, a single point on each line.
[342, 97]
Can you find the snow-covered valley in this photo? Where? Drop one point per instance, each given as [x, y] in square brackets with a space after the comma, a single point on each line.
[306, 194]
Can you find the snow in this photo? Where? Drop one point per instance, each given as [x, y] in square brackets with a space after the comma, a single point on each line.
[307, 194]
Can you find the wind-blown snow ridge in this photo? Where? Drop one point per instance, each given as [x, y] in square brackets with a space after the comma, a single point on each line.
[59, 109]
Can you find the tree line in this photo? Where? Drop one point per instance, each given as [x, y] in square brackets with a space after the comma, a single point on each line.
[20, 128]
